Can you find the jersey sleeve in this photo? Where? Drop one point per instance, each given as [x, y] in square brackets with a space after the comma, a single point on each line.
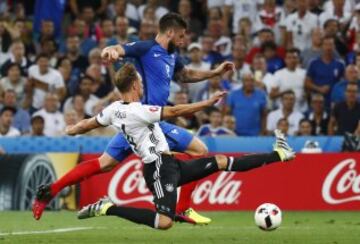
[149, 113]
[137, 49]
[104, 117]
[179, 64]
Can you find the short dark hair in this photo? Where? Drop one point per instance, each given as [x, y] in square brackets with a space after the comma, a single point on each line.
[11, 65]
[125, 77]
[86, 77]
[293, 50]
[37, 117]
[214, 110]
[171, 20]
[42, 55]
[8, 108]
[288, 92]
[304, 120]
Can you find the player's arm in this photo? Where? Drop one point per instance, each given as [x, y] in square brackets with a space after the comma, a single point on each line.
[82, 127]
[187, 75]
[186, 109]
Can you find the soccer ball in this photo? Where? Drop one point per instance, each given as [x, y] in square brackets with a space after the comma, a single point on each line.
[268, 216]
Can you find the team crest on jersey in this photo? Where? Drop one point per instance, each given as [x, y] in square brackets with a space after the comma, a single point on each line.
[169, 187]
[154, 109]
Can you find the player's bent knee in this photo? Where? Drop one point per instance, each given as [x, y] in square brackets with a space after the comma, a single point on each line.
[107, 162]
[197, 148]
[221, 161]
[164, 222]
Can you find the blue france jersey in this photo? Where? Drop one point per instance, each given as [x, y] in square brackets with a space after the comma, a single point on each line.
[156, 67]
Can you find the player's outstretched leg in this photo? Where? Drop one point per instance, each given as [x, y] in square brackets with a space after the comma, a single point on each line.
[105, 207]
[200, 168]
[83, 170]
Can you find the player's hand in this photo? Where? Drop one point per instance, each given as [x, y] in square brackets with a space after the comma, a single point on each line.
[69, 130]
[217, 97]
[110, 54]
[225, 67]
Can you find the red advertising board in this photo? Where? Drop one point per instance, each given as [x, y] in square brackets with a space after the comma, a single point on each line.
[310, 182]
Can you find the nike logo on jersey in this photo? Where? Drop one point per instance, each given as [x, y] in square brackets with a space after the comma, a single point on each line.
[175, 131]
[156, 55]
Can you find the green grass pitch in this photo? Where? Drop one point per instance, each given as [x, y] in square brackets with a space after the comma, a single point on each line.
[227, 227]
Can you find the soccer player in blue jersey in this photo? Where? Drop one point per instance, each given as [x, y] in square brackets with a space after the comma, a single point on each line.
[158, 63]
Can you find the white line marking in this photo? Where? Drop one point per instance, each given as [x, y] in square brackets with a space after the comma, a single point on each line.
[62, 230]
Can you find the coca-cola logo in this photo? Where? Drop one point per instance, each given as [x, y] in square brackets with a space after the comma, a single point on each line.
[342, 184]
[128, 186]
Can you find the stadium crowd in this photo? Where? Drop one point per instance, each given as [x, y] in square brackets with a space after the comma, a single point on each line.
[297, 63]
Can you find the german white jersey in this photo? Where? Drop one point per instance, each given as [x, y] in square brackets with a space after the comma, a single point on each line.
[139, 125]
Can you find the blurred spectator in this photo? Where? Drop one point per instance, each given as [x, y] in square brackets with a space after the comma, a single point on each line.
[159, 10]
[282, 125]
[98, 6]
[14, 81]
[194, 25]
[229, 122]
[70, 76]
[214, 128]
[222, 43]
[196, 62]
[332, 29]
[44, 79]
[318, 117]
[108, 31]
[263, 78]
[121, 29]
[5, 38]
[123, 8]
[6, 120]
[79, 62]
[17, 55]
[241, 68]
[215, 3]
[315, 6]
[51, 11]
[263, 35]
[345, 115]
[181, 97]
[245, 33]
[214, 84]
[334, 9]
[54, 119]
[305, 128]
[273, 61]
[209, 55]
[351, 76]
[248, 105]
[70, 118]
[292, 77]
[37, 126]
[324, 71]
[272, 17]
[147, 30]
[236, 10]
[100, 73]
[46, 31]
[85, 90]
[287, 112]
[299, 26]
[78, 105]
[21, 118]
[49, 47]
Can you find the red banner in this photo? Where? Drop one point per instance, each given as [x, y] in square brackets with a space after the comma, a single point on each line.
[310, 182]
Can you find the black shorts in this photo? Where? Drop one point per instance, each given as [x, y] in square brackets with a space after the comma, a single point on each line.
[164, 175]
[162, 178]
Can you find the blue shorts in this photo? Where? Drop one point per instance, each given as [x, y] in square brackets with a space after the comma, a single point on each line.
[178, 139]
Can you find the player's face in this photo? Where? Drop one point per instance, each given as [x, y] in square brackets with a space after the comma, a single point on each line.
[177, 38]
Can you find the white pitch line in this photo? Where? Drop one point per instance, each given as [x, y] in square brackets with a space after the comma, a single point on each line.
[62, 230]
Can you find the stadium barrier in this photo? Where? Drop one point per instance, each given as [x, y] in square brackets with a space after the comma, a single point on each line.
[84, 144]
[328, 181]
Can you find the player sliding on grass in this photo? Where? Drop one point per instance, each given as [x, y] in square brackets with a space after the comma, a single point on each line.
[157, 63]
[162, 172]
